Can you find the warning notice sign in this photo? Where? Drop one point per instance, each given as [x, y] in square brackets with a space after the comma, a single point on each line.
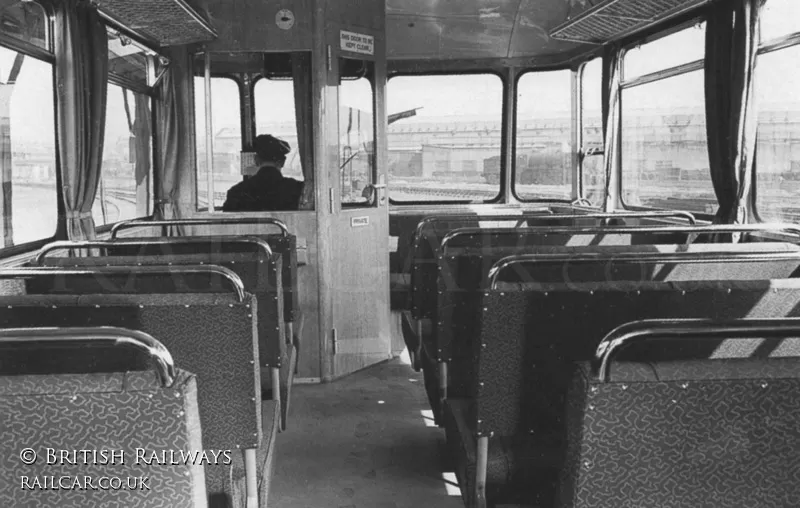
[357, 43]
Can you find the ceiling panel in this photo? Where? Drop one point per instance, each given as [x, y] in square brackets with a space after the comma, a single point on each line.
[449, 29]
[442, 29]
[535, 21]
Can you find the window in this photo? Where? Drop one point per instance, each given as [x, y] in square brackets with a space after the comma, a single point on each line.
[226, 138]
[670, 51]
[275, 115]
[356, 134]
[779, 19]
[435, 121]
[125, 188]
[280, 95]
[778, 100]
[664, 146]
[594, 175]
[543, 168]
[128, 60]
[25, 21]
[29, 202]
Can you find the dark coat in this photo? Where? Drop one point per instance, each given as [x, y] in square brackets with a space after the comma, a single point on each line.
[267, 190]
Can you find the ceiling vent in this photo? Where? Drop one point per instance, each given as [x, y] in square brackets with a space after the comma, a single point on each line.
[612, 19]
[164, 22]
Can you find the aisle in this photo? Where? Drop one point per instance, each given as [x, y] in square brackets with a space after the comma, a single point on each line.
[362, 442]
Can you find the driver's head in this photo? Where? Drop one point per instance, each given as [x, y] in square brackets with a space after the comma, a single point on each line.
[270, 149]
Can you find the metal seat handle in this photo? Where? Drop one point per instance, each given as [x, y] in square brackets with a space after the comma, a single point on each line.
[139, 223]
[647, 329]
[236, 282]
[160, 356]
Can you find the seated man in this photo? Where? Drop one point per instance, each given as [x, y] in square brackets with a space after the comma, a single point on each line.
[267, 190]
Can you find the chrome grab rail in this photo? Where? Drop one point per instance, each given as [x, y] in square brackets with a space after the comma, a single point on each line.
[599, 215]
[102, 335]
[480, 217]
[99, 244]
[139, 223]
[640, 331]
[490, 282]
[549, 215]
[591, 230]
[230, 276]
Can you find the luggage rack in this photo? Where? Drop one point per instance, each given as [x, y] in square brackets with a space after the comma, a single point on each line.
[613, 19]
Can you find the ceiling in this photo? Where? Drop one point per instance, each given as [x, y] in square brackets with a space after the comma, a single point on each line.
[470, 29]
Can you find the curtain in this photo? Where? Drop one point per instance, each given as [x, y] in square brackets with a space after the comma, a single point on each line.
[732, 36]
[173, 140]
[141, 140]
[304, 115]
[81, 49]
[611, 119]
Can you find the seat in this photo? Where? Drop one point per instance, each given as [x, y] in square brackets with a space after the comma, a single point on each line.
[126, 413]
[689, 431]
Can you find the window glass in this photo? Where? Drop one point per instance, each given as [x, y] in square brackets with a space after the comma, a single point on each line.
[356, 138]
[127, 59]
[226, 139]
[594, 176]
[275, 115]
[444, 137]
[125, 188]
[543, 166]
[779, 18]
[679, 48]
[778, 159]
[664, 146]
[27, 148]
[24, 20]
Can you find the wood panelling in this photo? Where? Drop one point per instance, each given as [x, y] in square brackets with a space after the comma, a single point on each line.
[360, 285]
[358, 262]
[304, 226]
[250, 25]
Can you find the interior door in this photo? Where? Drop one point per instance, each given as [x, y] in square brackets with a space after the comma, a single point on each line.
[360, 235]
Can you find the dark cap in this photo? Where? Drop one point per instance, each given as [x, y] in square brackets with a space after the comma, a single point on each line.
[270, 148]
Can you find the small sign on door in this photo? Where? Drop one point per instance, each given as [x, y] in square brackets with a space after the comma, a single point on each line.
[357, 43]
[356, 222]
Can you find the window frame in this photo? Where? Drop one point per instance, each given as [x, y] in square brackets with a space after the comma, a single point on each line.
[574, 110]
[106, 228]
[240, 86]
[765, 47]
[668, 72]
[581, 126]
[147, 91]
[504, 139]
[47, 56]
[257, 78]
[370, 77]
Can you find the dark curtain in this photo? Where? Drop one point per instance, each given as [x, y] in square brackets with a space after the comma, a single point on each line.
[173, 139]
[81, 48]
[6, 172]
[304, 115]
[611, 119]
[732, 35]
[141, 144]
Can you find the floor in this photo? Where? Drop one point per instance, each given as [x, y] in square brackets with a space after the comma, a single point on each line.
[364, 441]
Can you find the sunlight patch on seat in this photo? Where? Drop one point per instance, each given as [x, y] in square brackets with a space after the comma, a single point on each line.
[736, 348]
[451, 483]
[405, 358]
[427, 417]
